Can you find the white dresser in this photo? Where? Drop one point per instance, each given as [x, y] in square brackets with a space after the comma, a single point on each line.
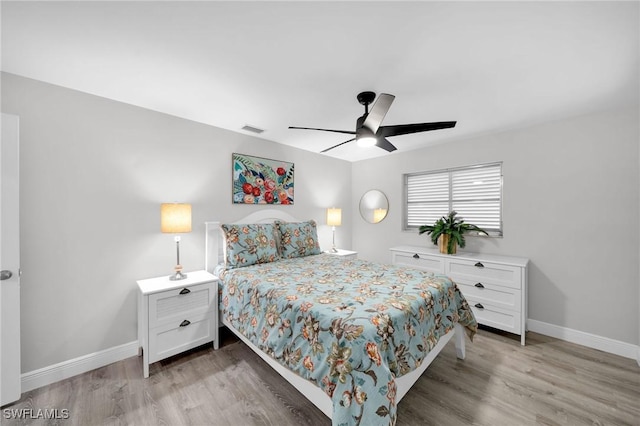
[174, 316]
[495, 286]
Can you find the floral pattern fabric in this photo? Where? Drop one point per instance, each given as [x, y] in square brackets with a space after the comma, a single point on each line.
[249, 244]
[298, 239]
[349, 326]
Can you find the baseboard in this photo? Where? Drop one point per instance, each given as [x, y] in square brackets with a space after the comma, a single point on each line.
[64, 370]
[604, 344]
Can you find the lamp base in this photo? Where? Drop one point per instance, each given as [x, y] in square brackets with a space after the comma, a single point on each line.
[178, 275]
[333, 245]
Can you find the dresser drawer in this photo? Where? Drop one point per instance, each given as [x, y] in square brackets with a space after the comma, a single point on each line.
[171, 338]
[484, 292]
[419, 261]
[494, 316]
[167, 306]
[485, 272]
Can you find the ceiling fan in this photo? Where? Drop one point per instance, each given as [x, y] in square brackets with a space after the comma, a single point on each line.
[369, 132]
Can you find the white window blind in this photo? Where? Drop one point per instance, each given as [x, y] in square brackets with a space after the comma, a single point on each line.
[475, 192]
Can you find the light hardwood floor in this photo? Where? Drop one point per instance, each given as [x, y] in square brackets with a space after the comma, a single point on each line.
[547, 382]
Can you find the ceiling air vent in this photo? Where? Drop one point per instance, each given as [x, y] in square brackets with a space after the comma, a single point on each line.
[252, 129]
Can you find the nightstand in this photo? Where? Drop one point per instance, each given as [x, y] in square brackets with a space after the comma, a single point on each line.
[174, 316]
[344, 253]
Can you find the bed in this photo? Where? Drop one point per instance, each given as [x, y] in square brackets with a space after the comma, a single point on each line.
[352, 336]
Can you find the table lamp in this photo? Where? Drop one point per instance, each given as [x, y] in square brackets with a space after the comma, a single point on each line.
[334, 218]
[174, 219]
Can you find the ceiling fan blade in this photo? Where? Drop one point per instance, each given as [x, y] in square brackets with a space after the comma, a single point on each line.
[348, 132]
[385, 144]
[378, 111]
[335, 146]
[405, 129]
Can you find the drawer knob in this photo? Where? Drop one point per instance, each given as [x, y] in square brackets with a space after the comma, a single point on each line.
[479, 265]
[185, 291]
[479, 285]
[479, 306]
[185, 323]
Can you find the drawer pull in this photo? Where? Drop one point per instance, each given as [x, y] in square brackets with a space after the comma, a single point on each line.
[479, 265]
[479, 285]
[185, 291]
[185, 323]
[416, 256]
[479, 306]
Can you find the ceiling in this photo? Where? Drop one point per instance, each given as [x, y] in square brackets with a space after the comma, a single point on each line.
[491, 66]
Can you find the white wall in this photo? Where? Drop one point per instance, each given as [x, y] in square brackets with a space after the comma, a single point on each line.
[571, 205]
[93, 175]
[94, 171]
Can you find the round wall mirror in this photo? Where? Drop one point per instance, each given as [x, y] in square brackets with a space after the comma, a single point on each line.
[374, 206]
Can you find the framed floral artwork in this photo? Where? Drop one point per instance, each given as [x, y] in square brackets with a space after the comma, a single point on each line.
[259, 180]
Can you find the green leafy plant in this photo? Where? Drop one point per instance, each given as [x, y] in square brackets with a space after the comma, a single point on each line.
[453, 228]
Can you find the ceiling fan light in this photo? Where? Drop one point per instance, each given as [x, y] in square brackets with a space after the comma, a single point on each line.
[366, 141]
[365, 137]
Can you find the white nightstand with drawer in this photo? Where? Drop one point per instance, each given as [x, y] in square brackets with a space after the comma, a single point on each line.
[495, 286]
[174, 316]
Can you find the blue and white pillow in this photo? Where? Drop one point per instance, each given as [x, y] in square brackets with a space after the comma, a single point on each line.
[249, 244]
[298, 239]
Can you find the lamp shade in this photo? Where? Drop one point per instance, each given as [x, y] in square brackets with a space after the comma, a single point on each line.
[334, 217]
[175, 218]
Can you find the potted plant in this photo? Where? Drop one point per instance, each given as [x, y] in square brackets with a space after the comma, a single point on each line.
[448, 232]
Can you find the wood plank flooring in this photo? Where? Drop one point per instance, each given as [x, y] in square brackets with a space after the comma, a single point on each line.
[547, 382]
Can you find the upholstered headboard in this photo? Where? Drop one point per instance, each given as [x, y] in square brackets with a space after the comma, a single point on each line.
[213, 252]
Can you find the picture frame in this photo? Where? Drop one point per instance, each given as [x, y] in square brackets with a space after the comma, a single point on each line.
[258, 180]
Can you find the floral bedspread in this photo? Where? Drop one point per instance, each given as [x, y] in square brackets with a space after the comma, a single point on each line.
[349, 326]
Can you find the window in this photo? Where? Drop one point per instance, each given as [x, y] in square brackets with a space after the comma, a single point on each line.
[475, 192]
